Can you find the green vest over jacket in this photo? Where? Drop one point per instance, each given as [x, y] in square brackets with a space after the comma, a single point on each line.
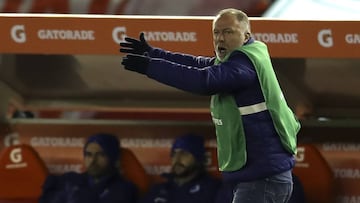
[227, 118]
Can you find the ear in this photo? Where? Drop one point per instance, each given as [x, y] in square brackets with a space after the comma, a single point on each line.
[247, 36]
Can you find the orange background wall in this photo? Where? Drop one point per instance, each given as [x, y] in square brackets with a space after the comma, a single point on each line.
[60, 145]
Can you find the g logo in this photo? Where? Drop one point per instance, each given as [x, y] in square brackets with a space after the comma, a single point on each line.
[300, 155]
[15, 155]
[119, 34]
[11, 139]
[325, 38]
[18, 33]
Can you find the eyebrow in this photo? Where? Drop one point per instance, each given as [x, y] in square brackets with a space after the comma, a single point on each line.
[227, 28]
[89, 152]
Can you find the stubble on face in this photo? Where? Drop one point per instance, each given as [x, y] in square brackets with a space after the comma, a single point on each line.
[183, 164]
[96, 162]
[228, 34]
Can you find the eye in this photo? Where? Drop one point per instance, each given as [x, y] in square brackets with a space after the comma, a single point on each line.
[228, 32]
[87, 154]
[100, 154]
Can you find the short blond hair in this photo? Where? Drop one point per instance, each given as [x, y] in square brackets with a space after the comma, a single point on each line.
[240, 16]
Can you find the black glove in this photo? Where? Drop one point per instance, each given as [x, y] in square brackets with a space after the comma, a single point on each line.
[134, 46]
[137, 63]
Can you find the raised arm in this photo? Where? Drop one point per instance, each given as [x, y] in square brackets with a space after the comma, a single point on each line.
[141, 47]
[236, 73]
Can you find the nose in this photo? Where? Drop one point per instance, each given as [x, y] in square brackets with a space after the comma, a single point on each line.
[219, 37]
[176, 157]
[92, 159]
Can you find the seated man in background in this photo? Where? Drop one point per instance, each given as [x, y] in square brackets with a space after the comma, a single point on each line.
[100, 183]
[188, 180]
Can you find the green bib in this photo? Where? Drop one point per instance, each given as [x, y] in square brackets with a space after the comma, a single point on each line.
[227, 118]
[229, 132]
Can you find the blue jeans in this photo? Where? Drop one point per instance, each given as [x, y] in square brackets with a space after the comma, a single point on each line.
[273, 189]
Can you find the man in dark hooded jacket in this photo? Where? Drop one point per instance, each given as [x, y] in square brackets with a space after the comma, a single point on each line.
[100, 183]
[188, 180]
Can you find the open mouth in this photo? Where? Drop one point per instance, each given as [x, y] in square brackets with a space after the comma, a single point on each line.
[222, 50]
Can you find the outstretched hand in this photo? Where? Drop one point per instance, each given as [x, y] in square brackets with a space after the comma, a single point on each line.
[134, 46]
[137, 63]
